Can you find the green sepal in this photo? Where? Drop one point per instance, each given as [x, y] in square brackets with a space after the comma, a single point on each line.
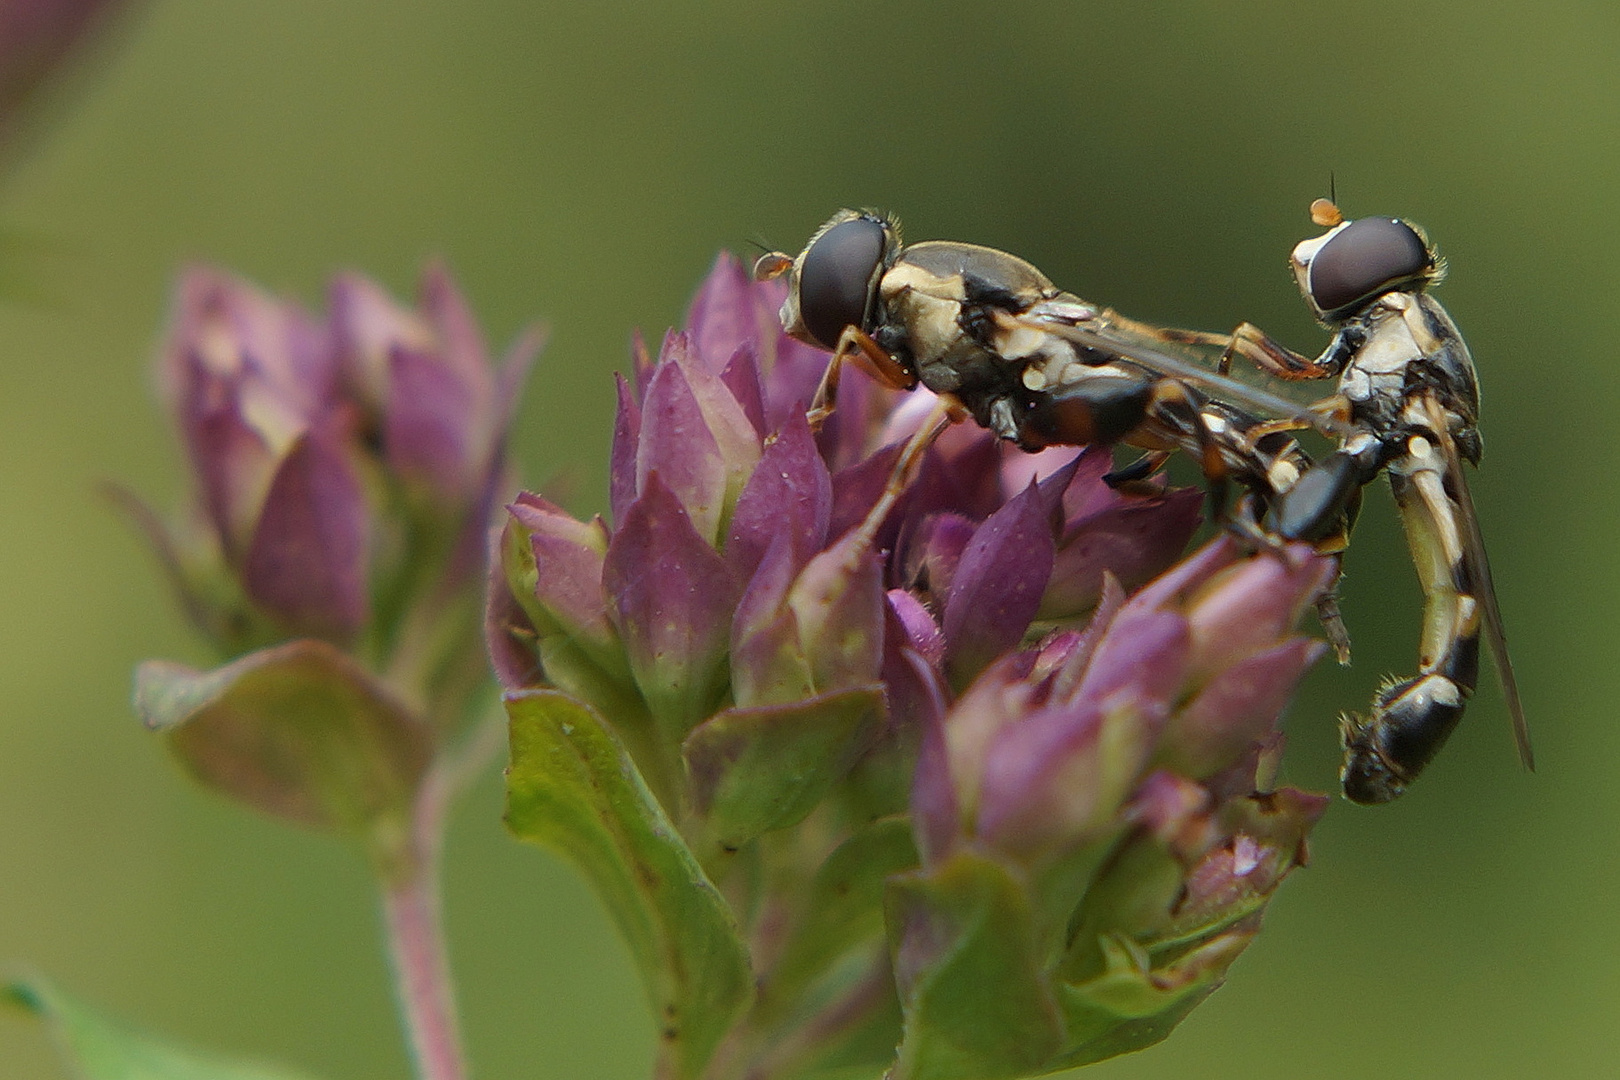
[860, 1044]
[299, 731]
[603, 650]
[843, 908]
[99, 1049]
[209, 594]
[1133, 1004]
[762, 768]
[570, 669]
[572, 788]
[977, 1005]
[1139, 897]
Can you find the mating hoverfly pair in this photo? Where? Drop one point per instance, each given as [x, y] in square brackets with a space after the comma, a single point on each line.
[997, 341]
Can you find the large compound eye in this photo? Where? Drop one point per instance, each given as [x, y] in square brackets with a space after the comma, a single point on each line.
[1364, 259]
[839, 276]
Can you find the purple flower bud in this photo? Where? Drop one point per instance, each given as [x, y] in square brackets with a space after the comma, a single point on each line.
[813, 631]
[1044, 750]
[741, 377]
[307, 560]
[936, 813]
[247, 377]
[839, 605]
[1237, 709]
[921, 633]
[1058, 776]
[730, 312]
[253, 383]
[346, 470]
[672, 598]
[558, 578]
[856, 490]
[789, 494]
[1253, 604]
[441, 409]
[622, 482]
[696, 437]
[997, 585]
[1087, 849]
[768, 662]
[1131, 536]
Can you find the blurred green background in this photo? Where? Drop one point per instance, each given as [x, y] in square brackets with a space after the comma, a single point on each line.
[582, 163]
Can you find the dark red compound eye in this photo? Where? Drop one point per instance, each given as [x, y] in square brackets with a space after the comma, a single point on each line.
[839, 277]
[1367, 258]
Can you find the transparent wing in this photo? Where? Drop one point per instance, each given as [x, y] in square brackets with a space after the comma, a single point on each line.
[1151, 355]
[1474, 553]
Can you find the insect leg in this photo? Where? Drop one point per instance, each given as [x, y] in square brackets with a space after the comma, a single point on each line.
[1412, 718]
[1274, 358]
[1247, 340]
[1319, 507]
[1176, 406]
[857, 347]
[1328, 614]
[1140, 469]
[945, 412]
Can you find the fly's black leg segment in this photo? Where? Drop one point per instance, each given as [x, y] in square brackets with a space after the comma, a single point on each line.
[1319, 506]
[1182, 409]
[1244, 523]
[857, 347]
[1140, 469]
[1412, 718]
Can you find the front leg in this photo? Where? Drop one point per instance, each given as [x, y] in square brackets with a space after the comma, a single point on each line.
[857, 347]
[1279, 361]
[1248, 341]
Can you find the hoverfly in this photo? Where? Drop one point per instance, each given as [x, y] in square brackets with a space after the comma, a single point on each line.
[990, 334]
[1407, 388]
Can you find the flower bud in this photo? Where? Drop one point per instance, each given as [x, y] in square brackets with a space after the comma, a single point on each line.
[253, 383]
[426, 385]
[1084, 850]
[345, 470]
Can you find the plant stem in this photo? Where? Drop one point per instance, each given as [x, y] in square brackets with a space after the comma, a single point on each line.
[412, 911]
[422, 974]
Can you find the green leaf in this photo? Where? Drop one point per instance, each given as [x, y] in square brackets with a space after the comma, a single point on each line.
[572, 788]
[976, 1002]
[98, 1049]
[766, 767]
[299, 731]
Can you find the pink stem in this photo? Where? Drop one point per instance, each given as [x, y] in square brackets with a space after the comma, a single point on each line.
[411, 910]
[422, 973]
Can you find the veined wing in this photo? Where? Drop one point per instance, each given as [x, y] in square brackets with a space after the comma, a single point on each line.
[1474, 554]
[1222, 387]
